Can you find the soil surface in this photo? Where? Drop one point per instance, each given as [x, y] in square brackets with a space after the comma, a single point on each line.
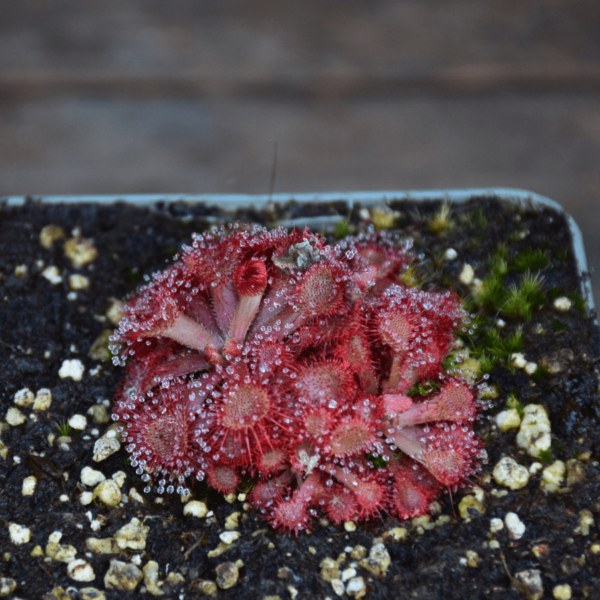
[45, 322]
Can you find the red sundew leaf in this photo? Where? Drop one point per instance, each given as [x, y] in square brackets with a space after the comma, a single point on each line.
[341, 505]
[414, 490]
[222, 477]
[159, 431]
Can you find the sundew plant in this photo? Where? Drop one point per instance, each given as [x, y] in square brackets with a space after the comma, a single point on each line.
[312, 370]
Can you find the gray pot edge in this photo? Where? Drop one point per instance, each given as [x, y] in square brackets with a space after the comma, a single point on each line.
[365, 198]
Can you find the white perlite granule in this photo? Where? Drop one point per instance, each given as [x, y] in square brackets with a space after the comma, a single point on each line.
[72, 368]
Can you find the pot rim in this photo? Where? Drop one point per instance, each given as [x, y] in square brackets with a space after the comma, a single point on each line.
[365, 198]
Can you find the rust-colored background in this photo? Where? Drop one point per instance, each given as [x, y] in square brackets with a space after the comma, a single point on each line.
[126, 96]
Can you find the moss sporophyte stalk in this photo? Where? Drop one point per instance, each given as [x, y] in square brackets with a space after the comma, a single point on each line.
[313, 369]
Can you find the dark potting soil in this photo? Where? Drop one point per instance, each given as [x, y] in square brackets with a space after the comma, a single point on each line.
[43, 324]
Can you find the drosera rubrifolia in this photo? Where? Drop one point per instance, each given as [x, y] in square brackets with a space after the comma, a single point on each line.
[271, 355]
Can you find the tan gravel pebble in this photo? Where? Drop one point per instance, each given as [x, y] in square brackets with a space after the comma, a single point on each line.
[119, 478]
[80, 570]
[43, 399]
[61, 552]
[514, 525]
[7, 586]
[508, 419]
[78, 422]
[151, 581]
[108, 491]
[52, 274]
[329, 569]
[137, 497]
[50, 234]
[207, 587]
[19, 534]
[563, 304]
[529, 583]
[553, 476]
[562, 592]
[473, 559]
[534, 433]
[132, 536]
[228, 537]
[232, 521]
[91, 593]
[338, 587]
[100, 414]
[102, 546]
[496, 525]
[470, 503]
[227, 575]
[586, 520]
[194, 508]
[510, 474]
[29, 484]
[80, 251]
[106, 446]
[467, 274]
[356, 588]
[358, 552]
[91, 477]
[378, 561]
[72, 368]
[396, 534]
[575, 472]
[24, 397]
[14, 417]
[79, 282]
[122, 576]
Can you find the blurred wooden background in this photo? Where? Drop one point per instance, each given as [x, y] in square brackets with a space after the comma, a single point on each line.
[126, 96]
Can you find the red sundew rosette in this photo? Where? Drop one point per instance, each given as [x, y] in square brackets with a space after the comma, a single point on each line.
[293, 514]
[280, 325]
[159, 311]
[248, 419]
[417, 329]
[370, 488]
[355, 348]
[377, 260]
[157, 360]
[449, 451]
[271, 490]
[159, 431]
[413, 491]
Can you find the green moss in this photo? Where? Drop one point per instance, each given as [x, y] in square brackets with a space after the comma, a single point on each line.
[559, 326]
[64, 429]
[545, 456]
[529, 260]
[423, 389]
[501, 347]
[441, 222]
[342, 228]
[523, 299]
[578, 302]
[540, 374]
[487, 363]
[514, 402]
[474, 219]
[411, 277]
[561, 254]
[377, 461]
[99, 349]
